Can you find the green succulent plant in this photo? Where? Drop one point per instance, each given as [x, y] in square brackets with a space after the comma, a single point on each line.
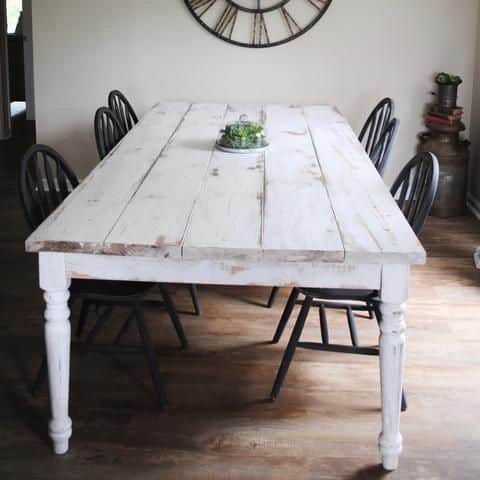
[448, 79]
[243, 135]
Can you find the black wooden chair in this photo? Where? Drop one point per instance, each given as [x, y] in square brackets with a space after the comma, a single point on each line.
[108, 131]
[376, 123]
[414, 190]
[45, 180]
[273, 297]
[119, 104]
[381, 153]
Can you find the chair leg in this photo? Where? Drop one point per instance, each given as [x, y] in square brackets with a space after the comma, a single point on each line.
[273, 297]
[404, 400]
[125, 328]
[291, 347]
[83, 318]
[41, 376]
[195, 300]
[371, 311]
[102, 319]
[286, 315]
[172, 311]
[352, 325]
[324, 325]
[150, 355]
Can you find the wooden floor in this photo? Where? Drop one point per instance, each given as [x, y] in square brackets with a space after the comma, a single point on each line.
[219, 425]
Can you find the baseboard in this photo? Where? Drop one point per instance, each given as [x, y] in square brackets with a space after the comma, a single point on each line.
[473, 205]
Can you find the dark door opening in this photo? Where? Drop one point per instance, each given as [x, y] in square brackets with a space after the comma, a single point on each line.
[17, 128]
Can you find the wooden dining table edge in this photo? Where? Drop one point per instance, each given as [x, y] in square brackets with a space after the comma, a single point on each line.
[415, 257]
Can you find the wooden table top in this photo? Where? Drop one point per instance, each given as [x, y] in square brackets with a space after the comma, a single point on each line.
[165, 191]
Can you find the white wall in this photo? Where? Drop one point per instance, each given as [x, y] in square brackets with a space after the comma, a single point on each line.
[154, 49]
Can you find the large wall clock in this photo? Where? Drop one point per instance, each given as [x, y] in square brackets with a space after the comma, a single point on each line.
[258, 23]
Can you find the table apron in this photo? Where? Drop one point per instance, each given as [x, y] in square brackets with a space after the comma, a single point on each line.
[261, 273]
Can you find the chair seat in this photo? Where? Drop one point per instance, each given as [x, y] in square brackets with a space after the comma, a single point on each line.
[108, 290]
[340, 294]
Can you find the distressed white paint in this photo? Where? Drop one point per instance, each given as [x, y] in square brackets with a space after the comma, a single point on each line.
[55, 282]
[369, 221]
[299, 222]
[86, 218]
[227, 219]
[166, 207]
[226, 272]
[165, 191]
[158, 214]
[394, 294]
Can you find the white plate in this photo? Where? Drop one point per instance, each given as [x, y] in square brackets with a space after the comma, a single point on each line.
[240, 150]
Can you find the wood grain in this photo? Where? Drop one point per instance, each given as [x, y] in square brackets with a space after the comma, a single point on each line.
[158, 215]
[299, 222]
[370, 224]
[227, 218]
[314, 196]
[84, 221]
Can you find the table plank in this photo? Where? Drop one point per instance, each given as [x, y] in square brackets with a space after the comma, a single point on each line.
[155, 221]
[325, 114]
[86, 217]
[372, 227]
[299, 223]
[227, 218]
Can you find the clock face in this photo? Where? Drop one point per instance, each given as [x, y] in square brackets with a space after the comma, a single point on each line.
[258, 23]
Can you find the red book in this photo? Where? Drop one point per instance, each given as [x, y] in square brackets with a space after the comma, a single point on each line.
[440, 120]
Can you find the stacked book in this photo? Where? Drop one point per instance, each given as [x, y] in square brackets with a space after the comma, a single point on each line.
[444, 116]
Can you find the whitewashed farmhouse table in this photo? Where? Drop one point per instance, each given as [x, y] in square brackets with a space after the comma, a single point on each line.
[166, 207]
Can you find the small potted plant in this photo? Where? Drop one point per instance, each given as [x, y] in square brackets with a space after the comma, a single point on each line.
[242, 136]
[448, 89]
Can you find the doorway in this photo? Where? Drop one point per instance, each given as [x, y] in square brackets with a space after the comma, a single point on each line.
[17, 102]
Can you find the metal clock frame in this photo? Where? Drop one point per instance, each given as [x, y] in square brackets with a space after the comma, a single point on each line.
[256, 11]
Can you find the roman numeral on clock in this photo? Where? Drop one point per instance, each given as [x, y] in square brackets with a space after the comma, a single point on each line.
[292, 24]
[260, 33]
[201, 7]
[228, 19]
[318, 4]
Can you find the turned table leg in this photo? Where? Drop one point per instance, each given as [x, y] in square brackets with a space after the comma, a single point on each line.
[394, 294]
[55, 283]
